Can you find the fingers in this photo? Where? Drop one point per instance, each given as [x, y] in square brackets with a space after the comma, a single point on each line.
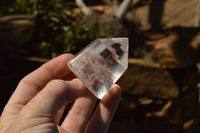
[102, 117]
[54, 95]
[45, 105]
[35, 81]
[60, 114]
[80, 112]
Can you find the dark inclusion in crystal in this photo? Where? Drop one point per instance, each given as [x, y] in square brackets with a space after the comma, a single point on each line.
[112, 54]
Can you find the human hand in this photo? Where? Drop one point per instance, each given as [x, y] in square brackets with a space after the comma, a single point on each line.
[41, 97]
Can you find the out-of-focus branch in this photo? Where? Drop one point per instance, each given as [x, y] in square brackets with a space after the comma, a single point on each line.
[123, 9]
[197, 21]
[85, 9]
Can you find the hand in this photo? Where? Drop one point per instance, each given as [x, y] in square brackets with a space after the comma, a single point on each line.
[41, 97]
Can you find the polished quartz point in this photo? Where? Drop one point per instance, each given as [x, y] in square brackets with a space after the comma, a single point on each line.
[101, 64]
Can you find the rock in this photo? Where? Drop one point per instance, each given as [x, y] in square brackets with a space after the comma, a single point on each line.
[180, 49]
[145, 78]
[174, 13]
[105, 24]
[16, 29]
[195, 45]
[163, 52]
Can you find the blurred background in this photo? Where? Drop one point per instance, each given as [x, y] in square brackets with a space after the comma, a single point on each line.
[160, 89]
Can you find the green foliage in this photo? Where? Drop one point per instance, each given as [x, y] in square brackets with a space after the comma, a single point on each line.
[66, 38]
[57, 31]
[73, 39]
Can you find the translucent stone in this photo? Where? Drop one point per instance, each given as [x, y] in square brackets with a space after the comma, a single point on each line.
[101, 64]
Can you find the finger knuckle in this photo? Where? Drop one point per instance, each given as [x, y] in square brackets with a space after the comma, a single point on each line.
[56, 83]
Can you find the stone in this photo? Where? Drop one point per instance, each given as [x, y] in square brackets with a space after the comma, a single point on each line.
[101, 64]
[148, 79]
[16, 30]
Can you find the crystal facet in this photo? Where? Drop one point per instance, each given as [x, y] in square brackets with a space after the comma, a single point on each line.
[101, 64]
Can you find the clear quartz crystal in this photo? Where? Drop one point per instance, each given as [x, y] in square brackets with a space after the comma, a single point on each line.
[101, 64]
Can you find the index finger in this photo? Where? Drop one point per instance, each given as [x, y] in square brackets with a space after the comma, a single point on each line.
[30, 85]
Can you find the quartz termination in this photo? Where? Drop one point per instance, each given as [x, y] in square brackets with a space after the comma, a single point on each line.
[101, 64]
